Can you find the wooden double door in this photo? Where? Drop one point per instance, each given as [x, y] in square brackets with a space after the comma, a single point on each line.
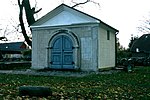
[62, 53]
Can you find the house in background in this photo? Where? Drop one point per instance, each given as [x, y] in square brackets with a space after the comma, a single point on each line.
[13, 49]
[141, 46]
[66, 38]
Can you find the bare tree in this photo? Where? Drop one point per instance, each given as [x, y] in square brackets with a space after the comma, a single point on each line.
[145, 25]
[29, 16]
[22, 23]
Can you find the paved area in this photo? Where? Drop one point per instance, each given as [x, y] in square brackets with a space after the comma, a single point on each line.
[55, 73]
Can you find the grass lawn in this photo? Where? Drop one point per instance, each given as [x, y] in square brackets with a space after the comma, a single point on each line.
[119, 86]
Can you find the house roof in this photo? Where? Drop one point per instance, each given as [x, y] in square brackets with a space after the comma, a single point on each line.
[14, 47]
[65, 15]
[142, 44]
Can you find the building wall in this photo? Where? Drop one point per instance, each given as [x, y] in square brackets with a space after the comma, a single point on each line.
[87, 53]
[39, 50]
[88, 38]
[106, 50]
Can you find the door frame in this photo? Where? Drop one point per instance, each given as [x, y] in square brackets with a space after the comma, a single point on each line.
[76, 49]
[61, 51]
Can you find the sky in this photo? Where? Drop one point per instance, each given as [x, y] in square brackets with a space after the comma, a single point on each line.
[124, 15]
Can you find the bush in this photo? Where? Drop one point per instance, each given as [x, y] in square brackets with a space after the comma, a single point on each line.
[14, 66]
[27, 55]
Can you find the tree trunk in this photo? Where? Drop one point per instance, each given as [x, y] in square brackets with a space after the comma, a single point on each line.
[29, 12]
[29, 42]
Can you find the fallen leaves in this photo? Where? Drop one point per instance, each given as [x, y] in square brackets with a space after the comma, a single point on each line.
[96, 86]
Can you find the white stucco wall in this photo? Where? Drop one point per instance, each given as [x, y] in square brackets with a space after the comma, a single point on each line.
[106, 52]
[39, 49]
[95, 51]
[87, 36]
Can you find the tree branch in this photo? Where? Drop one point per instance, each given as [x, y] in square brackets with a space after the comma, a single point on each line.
[145, 25]
[77, 4]
[37, 10]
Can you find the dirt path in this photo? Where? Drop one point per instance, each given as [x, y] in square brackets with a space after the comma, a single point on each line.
[54, 73]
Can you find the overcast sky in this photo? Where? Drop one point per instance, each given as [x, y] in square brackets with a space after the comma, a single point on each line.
[124, 15]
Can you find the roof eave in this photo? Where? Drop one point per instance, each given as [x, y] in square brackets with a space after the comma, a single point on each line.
[69, 25]
[101, 22]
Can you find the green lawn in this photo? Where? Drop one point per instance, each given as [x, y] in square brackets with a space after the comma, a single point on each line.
[119, 86]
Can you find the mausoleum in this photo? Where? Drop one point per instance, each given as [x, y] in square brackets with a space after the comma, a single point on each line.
[66, 38]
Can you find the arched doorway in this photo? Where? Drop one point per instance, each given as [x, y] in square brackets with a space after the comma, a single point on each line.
[62, 53]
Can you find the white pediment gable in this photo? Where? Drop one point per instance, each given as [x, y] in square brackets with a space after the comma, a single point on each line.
[67, 18]
[64, 15]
